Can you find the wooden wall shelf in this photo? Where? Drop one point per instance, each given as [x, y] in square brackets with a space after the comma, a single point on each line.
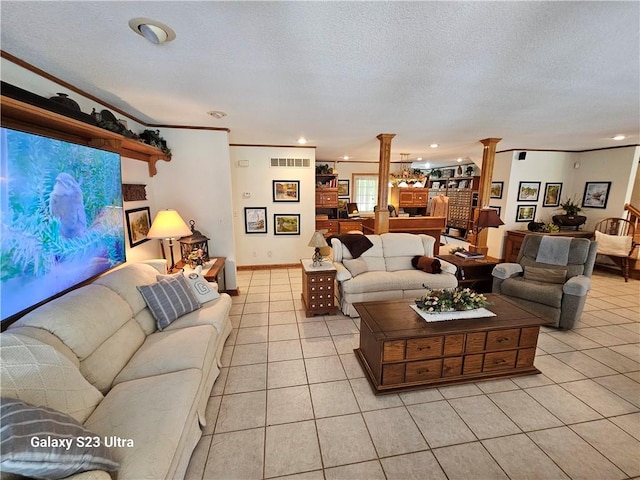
[26, 117]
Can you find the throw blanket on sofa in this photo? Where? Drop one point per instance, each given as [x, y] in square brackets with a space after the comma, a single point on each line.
[554, 250]
[356, 244]
[426, 264]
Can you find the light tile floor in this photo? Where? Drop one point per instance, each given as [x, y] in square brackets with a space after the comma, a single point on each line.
[292, 401]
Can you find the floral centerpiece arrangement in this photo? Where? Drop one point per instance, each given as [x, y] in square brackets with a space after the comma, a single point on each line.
[451, 299]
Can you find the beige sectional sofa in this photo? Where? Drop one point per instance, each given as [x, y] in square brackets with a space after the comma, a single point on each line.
[385, 271]
[141, 384]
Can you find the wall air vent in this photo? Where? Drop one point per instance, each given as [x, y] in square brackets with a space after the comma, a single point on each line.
[291, 162]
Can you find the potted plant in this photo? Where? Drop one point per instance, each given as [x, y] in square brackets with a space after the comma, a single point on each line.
[570, 218]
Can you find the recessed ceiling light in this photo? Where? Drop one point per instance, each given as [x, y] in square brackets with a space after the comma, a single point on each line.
[459, 160]
[434, 145]
[217, 114]
[427, 165]
[419, 158]
[346, 157]
[152, 30]
[302, 140]
[618, 137]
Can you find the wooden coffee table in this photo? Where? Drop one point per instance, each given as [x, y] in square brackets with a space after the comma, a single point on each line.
[399, 350]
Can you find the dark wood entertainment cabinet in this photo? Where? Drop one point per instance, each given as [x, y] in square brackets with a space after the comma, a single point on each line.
[401, 351]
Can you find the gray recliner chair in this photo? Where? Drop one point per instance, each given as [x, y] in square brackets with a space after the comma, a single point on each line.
[551, 277]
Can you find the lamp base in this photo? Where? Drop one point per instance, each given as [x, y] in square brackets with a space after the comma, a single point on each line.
[317, 258]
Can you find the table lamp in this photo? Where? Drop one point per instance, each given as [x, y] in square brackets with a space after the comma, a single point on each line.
[317, 241]
[168, 225]
[487, 217]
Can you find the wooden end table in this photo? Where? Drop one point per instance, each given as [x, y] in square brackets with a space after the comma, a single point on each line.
[473, 273]
[399, 350]
[318, 288]
[212, 272]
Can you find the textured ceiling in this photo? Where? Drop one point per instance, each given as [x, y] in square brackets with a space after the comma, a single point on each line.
[540, 75]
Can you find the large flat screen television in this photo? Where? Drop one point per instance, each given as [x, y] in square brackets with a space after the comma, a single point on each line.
[61, 218]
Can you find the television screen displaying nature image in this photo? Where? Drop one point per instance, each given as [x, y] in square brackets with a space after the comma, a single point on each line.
[61, 217]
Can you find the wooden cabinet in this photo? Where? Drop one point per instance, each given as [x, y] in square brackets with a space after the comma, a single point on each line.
[463, 198]
[412, 200]
[318, 288]
[514, 239]
[346, 226]
[326, 198]
[331, 226]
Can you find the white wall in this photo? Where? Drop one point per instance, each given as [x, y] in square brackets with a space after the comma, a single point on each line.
[616, 165]
[255, 180]
[196, 184]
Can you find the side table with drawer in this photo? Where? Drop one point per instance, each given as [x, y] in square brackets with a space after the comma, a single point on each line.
[318, 288]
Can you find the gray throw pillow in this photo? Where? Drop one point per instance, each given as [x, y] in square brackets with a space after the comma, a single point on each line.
[39, 442]
[169, 299]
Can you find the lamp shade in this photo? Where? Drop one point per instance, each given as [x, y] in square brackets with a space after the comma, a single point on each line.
[317, 241]
[168, 224]
[488, 217]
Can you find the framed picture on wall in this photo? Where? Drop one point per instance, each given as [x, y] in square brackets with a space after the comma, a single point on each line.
[138, 224]
[528, 191]
[552, 193]
[596, 194]
[496, 189]
[255, 219]
[286, 190]
[343, 188]
[526, 213]
[286, 224]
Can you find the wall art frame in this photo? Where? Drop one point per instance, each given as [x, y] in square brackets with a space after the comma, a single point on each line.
[343, 188]
[596, 194]
[255, 220]
[138, 225]
[286, 224]
[528, 191]
[496, 189]
[526, 213]
[286, 191]
[552, 192]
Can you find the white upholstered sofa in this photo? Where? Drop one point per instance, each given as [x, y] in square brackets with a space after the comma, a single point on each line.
[385, 271]
[97, 355]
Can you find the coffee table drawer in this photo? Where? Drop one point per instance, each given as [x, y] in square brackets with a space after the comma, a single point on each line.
[393, 374]
[453, 344]
[499, 361]
[452, 367]
[393, 351]
[503, 339]
[529, 337]
[429, 347]
[472, 364]
[424, 370]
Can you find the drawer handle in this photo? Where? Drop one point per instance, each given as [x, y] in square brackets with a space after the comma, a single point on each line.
[503, 339]
[500, 361]
[424, 348]
[420, 372]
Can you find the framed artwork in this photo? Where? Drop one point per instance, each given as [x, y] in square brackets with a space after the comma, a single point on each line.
[286, 190]
[343, 188]
[138, 225]
[255, 219]
[526, 213]
[342, 203]
[497, 209]
[286, 224]
[596, 194]
[496, 189]
[552, 193]
[528, 191]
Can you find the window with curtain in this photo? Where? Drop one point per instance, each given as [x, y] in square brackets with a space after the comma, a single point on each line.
[365, 191]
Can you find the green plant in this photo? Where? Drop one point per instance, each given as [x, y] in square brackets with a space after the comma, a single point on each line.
[550, 228]
[570, 206]
[451, 299]
[436, 173]
[456, 249]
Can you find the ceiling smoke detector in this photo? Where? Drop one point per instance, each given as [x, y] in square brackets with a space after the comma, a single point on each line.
[217, 114]
[152, 30]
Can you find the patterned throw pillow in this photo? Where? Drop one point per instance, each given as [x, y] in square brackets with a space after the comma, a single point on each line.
[169, 299]
[39, 442]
